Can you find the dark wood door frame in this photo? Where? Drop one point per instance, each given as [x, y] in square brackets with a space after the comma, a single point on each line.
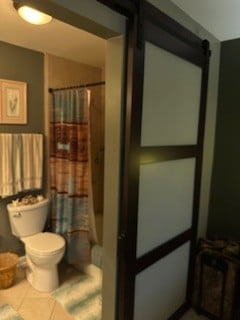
[124, 7]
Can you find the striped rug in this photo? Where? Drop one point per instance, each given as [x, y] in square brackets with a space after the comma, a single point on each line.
[8, 313]
[81, 296]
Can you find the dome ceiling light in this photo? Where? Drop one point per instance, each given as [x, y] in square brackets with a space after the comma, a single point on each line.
[31, 15]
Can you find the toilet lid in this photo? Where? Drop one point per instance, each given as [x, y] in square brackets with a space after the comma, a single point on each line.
[44, 243]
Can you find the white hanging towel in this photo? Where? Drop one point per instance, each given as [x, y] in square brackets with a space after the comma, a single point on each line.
[21, 157]
[7, 185]
[32, 151]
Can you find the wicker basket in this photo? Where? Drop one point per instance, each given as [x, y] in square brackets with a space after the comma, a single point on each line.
[8, 263]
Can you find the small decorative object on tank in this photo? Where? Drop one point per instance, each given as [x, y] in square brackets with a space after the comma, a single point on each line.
[28, 200]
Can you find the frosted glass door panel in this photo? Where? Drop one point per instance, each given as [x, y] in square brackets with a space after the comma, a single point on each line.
[171, 99]
[165, 202]
[161, 289]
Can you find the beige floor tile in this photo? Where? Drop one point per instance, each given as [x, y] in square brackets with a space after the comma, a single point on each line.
[33, 293]
[36, 308]
[60, 314]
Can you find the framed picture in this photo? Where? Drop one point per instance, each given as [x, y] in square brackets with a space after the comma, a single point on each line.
[13, 102]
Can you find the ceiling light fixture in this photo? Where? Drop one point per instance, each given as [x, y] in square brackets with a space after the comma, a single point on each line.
[31, 15]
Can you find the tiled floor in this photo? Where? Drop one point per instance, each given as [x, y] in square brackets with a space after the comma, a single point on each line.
[31, 304]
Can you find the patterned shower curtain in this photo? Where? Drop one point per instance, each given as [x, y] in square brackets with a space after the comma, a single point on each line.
[70, 174]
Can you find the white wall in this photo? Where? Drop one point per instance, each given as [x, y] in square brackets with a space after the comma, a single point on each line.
[96, 12]
[114, 71]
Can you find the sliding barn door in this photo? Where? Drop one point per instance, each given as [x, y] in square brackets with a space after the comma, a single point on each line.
[167, 70]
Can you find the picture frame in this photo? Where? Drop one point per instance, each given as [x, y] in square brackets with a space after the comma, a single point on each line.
[13, 102]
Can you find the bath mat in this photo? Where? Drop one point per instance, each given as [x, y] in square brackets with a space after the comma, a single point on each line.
[8, 313]
[81, 296]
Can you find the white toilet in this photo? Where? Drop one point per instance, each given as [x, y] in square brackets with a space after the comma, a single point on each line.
[44, 250]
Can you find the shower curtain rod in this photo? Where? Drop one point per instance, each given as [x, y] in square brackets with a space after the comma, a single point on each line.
[94, 84]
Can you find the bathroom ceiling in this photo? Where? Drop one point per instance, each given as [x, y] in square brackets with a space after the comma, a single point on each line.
[219, 17]
[56, 38]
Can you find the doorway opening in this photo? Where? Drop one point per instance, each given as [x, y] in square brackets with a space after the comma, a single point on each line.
[57, 70]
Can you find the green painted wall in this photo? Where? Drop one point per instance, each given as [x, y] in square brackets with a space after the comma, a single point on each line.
[224, 210]
[25, 65]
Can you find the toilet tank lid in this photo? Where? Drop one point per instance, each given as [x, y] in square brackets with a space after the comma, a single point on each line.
[13, 208]
[45, 242]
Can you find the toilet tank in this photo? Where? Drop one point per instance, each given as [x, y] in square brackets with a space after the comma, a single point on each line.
[26, 220]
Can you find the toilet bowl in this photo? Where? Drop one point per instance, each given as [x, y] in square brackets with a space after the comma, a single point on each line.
[43, 253]
[43, 250]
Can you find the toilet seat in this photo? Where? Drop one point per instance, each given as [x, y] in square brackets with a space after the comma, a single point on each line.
[44, 244]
